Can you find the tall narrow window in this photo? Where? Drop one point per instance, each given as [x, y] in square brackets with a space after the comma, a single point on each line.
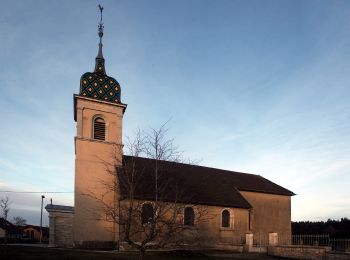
[189, 216]
[147, 213]
[99, 129]
[225, 218]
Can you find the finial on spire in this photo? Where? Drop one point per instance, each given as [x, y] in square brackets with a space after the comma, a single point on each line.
[100, 34]
[100, 24]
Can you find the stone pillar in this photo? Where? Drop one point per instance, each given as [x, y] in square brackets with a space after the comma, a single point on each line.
[61, 225]
[52, 225]
[249, 238]
[273, 239]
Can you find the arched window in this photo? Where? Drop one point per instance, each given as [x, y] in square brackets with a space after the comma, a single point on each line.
[147, 213]
[225, 219]
[189, 216]
[99, 129]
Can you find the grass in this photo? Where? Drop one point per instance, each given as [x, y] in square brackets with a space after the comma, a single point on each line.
[44, 253]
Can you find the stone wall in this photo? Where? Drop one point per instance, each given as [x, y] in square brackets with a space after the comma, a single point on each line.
[338, 256]
[61, 228]
[299, 252]
[271, 213]
[95, 162]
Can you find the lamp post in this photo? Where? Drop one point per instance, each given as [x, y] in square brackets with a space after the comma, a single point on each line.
[41, 218]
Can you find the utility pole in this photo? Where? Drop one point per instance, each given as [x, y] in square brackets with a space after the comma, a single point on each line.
[41, 218]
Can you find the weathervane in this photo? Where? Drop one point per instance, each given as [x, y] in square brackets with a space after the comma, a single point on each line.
[100, 24]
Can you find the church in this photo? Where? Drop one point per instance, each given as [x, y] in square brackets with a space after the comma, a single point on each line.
[215, 206]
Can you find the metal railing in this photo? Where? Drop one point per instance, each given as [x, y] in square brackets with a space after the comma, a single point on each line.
[340, 244]
[261, 240]
[336, 244]
[311, 240]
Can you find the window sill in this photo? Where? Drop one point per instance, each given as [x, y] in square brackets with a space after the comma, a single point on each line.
[189, 227]
[226, 229]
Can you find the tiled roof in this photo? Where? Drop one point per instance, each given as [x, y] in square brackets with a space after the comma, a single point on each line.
[7, 225]
[37, 228]
[99, 86]
[196, 184]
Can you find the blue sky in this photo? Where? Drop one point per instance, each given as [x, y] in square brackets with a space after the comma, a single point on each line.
[254, 86]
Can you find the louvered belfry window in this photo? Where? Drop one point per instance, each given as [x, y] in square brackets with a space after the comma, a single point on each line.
[99, 129]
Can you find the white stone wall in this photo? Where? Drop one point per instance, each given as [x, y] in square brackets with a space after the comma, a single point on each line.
[61, 228]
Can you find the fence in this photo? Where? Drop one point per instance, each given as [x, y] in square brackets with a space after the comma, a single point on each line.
[311, 240]
[261, 240]
[336, 244]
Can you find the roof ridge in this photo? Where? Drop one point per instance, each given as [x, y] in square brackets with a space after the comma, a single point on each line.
[193, 165]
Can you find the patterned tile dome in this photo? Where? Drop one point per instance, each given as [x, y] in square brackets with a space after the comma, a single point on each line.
[98, 84]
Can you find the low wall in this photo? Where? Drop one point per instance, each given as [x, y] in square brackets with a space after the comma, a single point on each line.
[123, 246]
[299, 252]
[338, 256]
[229, 247]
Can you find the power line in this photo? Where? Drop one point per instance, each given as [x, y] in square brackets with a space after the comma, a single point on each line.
[11, 191]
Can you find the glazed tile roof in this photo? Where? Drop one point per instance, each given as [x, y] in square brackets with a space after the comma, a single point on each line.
[98, 85]
[196, 184]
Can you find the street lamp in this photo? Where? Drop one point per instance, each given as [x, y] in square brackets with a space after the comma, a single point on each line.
[41, 218]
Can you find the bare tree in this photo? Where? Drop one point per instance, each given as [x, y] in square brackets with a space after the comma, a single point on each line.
[19, 221]
[151, 202]
[5, 209]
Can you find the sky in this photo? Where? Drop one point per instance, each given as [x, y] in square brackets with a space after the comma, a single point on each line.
[260, 87]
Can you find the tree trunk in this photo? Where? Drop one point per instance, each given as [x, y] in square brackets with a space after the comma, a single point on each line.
[142, 254]
[6, 234]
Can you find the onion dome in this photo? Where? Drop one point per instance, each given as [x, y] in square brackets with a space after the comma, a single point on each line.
[98, 84]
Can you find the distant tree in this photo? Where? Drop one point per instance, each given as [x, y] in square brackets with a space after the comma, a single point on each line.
[333, 228]
[19, 221]
[5, 209]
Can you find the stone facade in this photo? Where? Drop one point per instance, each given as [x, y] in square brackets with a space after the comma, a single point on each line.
[271, 213]
[61, 225]
[94, 168]
[207, 231]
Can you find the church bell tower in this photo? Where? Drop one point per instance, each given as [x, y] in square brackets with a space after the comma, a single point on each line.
[98, 112]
